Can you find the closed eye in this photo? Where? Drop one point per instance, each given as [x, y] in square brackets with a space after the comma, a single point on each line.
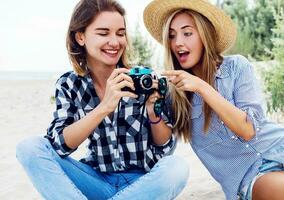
[121, 33]
[102, 33]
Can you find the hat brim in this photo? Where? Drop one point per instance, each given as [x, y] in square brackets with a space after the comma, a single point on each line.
[158, 11]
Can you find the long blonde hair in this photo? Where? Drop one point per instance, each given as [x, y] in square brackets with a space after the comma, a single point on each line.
[210, 61]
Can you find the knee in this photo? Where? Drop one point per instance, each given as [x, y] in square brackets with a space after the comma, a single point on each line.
[28, 149]
[177, 170]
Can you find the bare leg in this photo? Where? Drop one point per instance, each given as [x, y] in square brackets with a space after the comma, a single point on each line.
[269, 187]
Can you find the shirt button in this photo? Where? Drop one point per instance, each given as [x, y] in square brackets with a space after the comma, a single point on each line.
[257, 129]
[233, 137]
[258, 154]
[222, 122]
[247, 146]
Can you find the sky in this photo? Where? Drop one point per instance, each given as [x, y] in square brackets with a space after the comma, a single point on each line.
[33, 32]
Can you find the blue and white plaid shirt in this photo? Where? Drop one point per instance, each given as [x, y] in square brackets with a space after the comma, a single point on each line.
[232, 161]
[115, 145]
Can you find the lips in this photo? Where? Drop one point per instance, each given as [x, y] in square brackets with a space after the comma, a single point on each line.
[111, 52]
[182, 55]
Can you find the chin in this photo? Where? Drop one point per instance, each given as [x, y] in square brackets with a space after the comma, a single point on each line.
[111, 62]
[185, 66]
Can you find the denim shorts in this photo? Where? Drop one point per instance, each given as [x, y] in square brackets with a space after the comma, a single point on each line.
[267, 166]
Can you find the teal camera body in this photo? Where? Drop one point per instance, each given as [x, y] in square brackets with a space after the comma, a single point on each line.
[143, 81]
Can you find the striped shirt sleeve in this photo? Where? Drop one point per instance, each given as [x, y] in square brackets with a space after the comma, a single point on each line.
[247, 94]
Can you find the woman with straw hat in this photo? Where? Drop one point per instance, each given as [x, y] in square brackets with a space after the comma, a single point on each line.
[216, 102]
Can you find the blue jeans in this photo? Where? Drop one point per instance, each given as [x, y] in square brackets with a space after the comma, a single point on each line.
[59, 178]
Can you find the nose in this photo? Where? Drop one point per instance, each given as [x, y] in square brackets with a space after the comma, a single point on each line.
[113, 41]
[179, 40]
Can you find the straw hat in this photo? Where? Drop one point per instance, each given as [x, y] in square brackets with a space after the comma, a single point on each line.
[157, 12]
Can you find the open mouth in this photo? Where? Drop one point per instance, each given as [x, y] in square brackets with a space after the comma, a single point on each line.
[182, 55]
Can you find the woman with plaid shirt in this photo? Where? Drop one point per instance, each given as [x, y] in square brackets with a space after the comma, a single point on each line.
[128, 155]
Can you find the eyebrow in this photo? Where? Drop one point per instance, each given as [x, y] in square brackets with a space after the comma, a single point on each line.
[184, 27]
[107, 29]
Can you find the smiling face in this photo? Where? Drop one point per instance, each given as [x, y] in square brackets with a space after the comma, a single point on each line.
[104, 39]
[185, 41]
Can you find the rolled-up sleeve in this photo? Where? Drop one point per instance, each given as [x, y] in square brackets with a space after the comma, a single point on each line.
[165, 149]
[66, 113]
[247, 94]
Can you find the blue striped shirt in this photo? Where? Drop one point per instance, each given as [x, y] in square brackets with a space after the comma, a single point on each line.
[232, 161]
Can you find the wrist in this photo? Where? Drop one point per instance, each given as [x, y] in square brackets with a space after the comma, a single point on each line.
[102, 110]
[201, 86]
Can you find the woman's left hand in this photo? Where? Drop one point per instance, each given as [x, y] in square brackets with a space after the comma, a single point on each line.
[152, 99]
[150, 104]
[183, 80]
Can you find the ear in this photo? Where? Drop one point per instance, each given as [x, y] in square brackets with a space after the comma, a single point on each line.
[80, 38]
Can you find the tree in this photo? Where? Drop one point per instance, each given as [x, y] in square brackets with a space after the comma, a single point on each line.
[274, 76]
[262, 22]
[254, 26]
[240, 14]
[143, 50]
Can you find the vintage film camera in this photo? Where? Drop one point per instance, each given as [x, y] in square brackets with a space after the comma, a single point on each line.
[143, 80]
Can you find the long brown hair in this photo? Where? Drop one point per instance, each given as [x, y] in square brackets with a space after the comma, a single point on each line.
[210, 60]
[83, 15]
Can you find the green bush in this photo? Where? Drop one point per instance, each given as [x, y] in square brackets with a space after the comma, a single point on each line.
[274, 76]
[255, 24]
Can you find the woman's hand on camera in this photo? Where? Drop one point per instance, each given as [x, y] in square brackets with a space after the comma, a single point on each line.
[150, 104]
[183, 80]
[152, 99]
[116, 81]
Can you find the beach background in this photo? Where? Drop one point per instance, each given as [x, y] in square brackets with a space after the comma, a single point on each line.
[26, 110]
[33, 55]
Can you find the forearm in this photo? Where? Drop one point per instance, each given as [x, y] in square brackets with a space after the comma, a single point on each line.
[161, 132]
[79, 131]
[232, 116]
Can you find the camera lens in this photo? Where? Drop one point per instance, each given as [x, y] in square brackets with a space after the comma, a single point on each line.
[146, 82]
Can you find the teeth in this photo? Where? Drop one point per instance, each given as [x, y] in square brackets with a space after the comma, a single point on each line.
[180, 52]
[111, 51]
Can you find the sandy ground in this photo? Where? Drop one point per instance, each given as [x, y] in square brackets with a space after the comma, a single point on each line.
[26, 110]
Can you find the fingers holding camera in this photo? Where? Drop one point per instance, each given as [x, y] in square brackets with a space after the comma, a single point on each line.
[124, 84]
[121, 77]
[155, 84]
[150, 103]
[117, 72]
[112, 95]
